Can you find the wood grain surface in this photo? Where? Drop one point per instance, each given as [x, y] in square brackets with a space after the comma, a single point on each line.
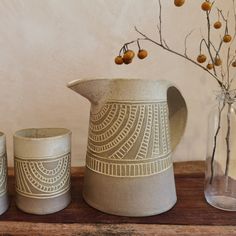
[190, 216]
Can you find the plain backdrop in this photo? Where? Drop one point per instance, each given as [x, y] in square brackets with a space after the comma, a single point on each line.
[44, 44]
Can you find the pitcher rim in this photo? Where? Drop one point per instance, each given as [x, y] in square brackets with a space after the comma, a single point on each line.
[77, 81]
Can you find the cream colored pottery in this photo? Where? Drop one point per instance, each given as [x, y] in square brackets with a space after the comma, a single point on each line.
[42, 169]
[129, 169]
[4, 201]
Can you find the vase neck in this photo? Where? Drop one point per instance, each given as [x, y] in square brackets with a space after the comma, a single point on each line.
[226, 96]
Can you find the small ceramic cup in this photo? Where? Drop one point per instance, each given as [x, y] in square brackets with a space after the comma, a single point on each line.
[4, 201]
[42, 169]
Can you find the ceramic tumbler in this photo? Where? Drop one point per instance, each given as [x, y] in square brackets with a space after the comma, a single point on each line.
[42, 169]
[4, 201]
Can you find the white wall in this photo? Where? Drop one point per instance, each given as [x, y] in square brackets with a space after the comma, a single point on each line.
[45, 44]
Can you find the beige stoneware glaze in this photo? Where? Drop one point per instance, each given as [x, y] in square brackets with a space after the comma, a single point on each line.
[42, 169]
[134, 126]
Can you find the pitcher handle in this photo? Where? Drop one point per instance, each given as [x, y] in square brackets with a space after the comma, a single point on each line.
[177, 115]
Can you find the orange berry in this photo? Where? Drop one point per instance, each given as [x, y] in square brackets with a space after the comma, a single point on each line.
[210, 66]
[227, 38]
[129, 55]
[201, 58]
[206, 6]
[119, 60]
[217, 25]
[127, 62]
[142, 54]
[217, 61]
[179, 3]
[234, 64]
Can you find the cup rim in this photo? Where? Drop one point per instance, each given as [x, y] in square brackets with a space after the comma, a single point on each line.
[64, 131]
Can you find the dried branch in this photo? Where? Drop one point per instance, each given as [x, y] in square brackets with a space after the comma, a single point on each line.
[232, 79]
[228, 66]
[179, 54]
[215, 140]
[230, 63]
[216, 51]
[234, 12]
[227, 140]
[165, 44]
[220, 12]
[222, 74]
[201, 42]
[220, 46]
[160, 22]
[185, 42]
[125, 46]
[209, 41]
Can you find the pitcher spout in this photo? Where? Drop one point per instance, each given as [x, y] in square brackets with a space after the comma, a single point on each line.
[92, 89]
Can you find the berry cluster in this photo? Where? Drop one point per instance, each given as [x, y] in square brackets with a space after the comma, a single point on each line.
[217, 61]
[207, 6]
[128, 56]
[213, 52]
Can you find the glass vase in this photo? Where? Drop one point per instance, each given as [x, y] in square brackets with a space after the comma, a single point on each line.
[220, 175]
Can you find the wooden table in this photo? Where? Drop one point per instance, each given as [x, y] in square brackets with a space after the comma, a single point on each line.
[190, 216]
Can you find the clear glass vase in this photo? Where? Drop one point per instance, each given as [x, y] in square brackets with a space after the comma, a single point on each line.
[220, 176]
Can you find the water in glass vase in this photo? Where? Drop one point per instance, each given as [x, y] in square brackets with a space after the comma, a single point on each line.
[220, 176]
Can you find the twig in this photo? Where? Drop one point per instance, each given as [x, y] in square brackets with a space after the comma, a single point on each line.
[166, 45]
[215, 140]
[139, 48]
[234, 36]
[201, 42]
[222, 15]
[227, 139]
[234, 11]
[125, 46]
[220, 46]
[230, 63]
[216, 51]
[228, 66]
[160, 22]
[185, 42]
[209, 41]
[232, 79]
[222, 74]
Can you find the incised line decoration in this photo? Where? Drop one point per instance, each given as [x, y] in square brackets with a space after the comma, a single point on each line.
[43, 178]
[3, 174]
[129, 139]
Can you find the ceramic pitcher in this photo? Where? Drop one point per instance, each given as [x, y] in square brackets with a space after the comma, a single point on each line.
[134, 126]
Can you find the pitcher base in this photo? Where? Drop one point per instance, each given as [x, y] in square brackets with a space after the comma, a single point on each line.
[136, 197]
